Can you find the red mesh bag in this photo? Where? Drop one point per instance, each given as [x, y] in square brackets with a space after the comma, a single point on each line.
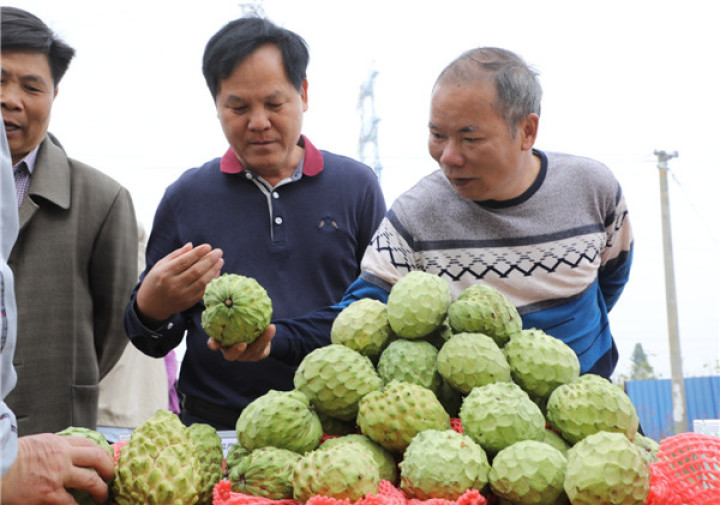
[469, 497]
[661, 490]
[224, 495]
[116, 449]
[326, 436]
[687, 471]
[387, 495]
[456, 424]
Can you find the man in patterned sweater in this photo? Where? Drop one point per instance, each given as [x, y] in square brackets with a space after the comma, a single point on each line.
[549, 230]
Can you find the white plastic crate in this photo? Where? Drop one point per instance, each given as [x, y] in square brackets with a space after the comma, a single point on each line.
[707, 426]
[228, 438]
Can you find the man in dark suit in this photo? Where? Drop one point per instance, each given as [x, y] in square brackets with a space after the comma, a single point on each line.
[75, 256]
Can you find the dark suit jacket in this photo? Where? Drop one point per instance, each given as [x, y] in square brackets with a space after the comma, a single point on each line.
[75, 264]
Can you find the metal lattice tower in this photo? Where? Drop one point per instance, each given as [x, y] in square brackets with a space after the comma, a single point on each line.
[368, 151]
[253, 8]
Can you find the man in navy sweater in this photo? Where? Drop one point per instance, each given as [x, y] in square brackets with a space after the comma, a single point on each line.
[273, 207]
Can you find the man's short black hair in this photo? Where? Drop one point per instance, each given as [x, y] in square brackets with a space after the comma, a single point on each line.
[240, 38]
[23, 31]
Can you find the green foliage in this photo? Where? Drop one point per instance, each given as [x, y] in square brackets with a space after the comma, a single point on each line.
[641, 368]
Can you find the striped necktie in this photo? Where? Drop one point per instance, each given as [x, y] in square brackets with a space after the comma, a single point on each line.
[22, 181]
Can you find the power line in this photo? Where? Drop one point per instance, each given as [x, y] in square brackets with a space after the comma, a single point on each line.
[691, 203]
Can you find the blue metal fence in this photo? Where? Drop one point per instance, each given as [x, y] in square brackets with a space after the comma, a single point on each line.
[653, 402]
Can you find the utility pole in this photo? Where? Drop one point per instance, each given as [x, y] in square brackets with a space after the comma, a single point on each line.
[368, 151]
[677, 380]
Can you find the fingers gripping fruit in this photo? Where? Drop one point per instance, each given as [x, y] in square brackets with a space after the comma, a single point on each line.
[80, 495]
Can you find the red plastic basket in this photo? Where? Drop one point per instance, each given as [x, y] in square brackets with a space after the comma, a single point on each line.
[687, 471]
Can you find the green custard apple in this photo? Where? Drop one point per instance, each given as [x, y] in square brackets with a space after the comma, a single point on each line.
[283, 419]
[539, 362]
[209, 456]
[410, 361]
[362, 326]
[387, 466]
[500, 414]
[468, 360]
[237, 309]
[235, 454]
[529, 472]
[335, 378]
[265, 472]
[346, 471]
[393, 416]
[590, 404]
[605, 468]
[483, 309]
[417, 304]
[442, 464]
[158, 464]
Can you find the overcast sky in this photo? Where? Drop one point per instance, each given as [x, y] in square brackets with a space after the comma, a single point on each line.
[621, 80]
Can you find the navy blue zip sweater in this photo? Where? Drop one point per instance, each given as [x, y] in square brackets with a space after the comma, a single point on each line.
[302, 241]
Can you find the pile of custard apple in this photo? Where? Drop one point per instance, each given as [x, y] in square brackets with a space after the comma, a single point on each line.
[435, 395]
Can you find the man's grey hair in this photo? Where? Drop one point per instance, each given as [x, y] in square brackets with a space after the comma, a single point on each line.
[517, 85]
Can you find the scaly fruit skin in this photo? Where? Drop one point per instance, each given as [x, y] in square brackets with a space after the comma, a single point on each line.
[237, 309]
[500, 414]
[539, 362]
[157, 466]
[362, 326]
[648, 445]
[95, 436]
[606, 468]
[442, 464]
[590, 404]
[283, 419]
[209, 455]
[265, 472]
[393, 416]
[81, 496]
[555, 440]
[346, 471]
[417, 304]
[235, 454]
[529, 472]
[387, 466]
[468, 360]
[335, 378]
[483, 309]
[410, 361]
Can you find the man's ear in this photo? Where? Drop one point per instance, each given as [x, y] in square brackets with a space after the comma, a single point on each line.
[304, 95]
[528, 131]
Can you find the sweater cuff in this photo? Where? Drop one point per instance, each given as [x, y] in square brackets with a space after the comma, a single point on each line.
[280, 347]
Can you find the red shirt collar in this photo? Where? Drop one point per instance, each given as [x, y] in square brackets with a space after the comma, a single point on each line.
[312, 165]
